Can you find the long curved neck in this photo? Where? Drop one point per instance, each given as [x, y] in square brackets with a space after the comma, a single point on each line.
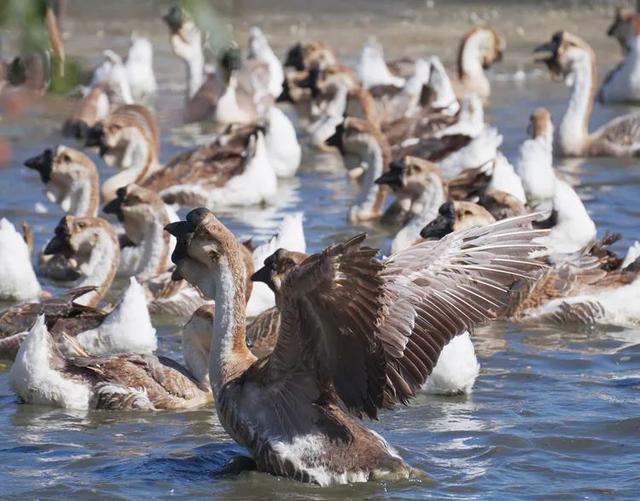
[101, 269]
[424, 207]
[154, 246]
[470, 60]
[573, 131]
[370, 199]
[195, 73]
[229, 356]
[84, 198]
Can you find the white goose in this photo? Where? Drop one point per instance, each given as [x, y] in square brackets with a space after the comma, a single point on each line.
[18, 281]
[535, 161]
[260, 50]
[139, 67]
[573, 60]
[372, 69]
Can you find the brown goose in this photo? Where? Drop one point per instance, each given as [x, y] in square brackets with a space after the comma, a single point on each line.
[294, 409]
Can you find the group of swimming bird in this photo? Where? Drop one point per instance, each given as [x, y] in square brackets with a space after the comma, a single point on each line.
[336, 336]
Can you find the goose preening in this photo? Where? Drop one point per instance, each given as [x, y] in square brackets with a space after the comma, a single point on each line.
[41, 374]
[18, 281]
[380, 316]
[573, 61]
[123, 329]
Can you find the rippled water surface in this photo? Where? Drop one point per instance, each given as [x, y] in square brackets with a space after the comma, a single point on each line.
[554, 414]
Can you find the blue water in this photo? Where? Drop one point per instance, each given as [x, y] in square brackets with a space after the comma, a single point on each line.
[554, 414]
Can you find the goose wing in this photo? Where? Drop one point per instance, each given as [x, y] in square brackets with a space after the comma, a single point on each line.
[165, 383]
[373, 330]
[618, 136]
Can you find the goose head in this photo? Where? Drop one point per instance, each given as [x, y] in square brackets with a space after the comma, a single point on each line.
[410, 176]
[356, 139]
[64, 170]
[483, 45]
[622, 26]
[184, 35]
[565, 51]
[540, 124]
[137, 208]
[127, 138]
[76, 237]
[276, 267]
[204, 249]
[302, 55]
[456, 216]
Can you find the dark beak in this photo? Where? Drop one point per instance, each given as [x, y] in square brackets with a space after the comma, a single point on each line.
[59, 244]
[174, 18]
[546, 47]
[94, 137]
[336, 139]
[263, 275]
[438, 228]
[295, 58]
[285, 95]
[182, 230]
[393, 177]
[114, 207]
[43, 164]
[547, 223]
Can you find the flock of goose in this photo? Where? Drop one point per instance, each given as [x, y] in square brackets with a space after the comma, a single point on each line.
[294, 349]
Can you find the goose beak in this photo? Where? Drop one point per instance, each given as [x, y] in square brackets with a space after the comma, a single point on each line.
[114, 207]
[336, 139]
[438, 228]
[94, 137]
[285, 95]
[264, 275]
[392, 177]
[545, 47]
[59, 244]
[43, 163]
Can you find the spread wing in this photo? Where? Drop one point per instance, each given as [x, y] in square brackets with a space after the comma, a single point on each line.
[621, 132]
[329, 309]
[437, 290]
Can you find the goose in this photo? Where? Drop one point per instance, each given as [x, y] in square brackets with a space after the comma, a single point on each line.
[535, 161]
[573, 60]
[130, 141]
[581, 292]
[457, 216]
[372, 70]
[360, 141]
[125, 328]
[305, 427]
[281, 142]
[139, 68]
[260, 50]
[505, 179]
[622, 83]
[479, 49]
[40, 374]
[18, 281]
[303, 55]
[93, 108]
[572, 229]
[70, 178]
[290, 236]
[91, 243]
[622, 27]
[113, 73]
[145, 247]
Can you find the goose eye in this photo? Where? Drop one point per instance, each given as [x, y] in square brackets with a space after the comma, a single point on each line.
[214, 255]
[467, 212]
[82, 226]
[65, 158]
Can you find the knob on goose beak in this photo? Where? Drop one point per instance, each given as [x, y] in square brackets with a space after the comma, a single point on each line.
[336, 139]
[394, 176]
[43, 163]
[115, 206]
[94, 137]
[442, 225]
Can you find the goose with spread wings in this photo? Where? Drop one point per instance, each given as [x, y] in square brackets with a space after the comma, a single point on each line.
[356, 335]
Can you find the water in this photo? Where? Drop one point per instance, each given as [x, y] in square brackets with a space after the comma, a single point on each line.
[554, 414]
